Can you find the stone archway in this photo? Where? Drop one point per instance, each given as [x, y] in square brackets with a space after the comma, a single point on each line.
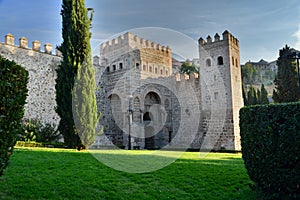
[149, 132]
[150, 118]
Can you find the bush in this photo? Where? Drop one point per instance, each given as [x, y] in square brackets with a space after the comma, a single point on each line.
[13, 93]
[34, 130]
[30, 130]
[270, 138]
[48, 133]
[40, 144]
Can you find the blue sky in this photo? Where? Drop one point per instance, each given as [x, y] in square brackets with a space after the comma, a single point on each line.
[262, 27]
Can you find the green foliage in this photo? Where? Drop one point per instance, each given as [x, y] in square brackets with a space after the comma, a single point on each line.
[188, 68]
[75, 50]
[286, 81]
[39, 144]
[264, 95]
[255, 97]
[30, 130]
[252, 96]
[250, 74]
[13, 93]
[48, 133]
[34, 130]
[270, 136]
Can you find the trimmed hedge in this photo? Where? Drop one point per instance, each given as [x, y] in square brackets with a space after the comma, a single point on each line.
[270, 139]
[40, 144]
[13, 93]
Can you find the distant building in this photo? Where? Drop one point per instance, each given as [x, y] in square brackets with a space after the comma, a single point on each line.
[265, 71]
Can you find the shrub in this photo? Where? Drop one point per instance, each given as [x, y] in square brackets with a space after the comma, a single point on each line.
[34, 130]
[48, 133]
[31, 128]
[13, 93]
[270, 138]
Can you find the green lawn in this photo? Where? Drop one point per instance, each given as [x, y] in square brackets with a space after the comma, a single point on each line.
[68, 174]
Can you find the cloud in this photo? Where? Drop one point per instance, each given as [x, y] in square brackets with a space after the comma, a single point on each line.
[297, 35]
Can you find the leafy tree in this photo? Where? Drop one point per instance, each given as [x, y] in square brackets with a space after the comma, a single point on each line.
[13, 93]
[188, 68]
[286, 82]
[264, 95]
[248, 73]
[76, 53]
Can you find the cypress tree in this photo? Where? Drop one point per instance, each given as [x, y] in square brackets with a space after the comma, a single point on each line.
[76, 53]
[244, 95]
[258, 96]
[264, 95]
[251, 96]
[286, 82]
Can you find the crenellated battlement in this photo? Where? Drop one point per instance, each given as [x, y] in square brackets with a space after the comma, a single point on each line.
[227, 37]
[134, 42]
[36, 45]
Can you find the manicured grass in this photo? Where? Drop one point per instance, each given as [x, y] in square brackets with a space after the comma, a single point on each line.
[68, 174]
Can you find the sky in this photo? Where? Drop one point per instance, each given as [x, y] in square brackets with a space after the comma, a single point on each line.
[261, 26]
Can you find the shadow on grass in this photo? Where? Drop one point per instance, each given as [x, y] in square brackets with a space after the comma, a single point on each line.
[69, 174]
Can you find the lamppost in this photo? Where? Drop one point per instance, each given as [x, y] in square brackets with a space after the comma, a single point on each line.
[295, 56]
[129, 121]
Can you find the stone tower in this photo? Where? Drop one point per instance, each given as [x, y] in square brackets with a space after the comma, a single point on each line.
[221, 88]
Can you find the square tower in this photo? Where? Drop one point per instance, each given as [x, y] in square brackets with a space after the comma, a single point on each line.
[221, 88]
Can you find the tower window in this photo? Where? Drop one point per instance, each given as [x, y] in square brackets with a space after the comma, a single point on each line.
[150, 69]
[120, 65]
[144, 67]
[208, 62]
[167, 72]
[220, 60]
[156, 71]
[232, 60]
[137, 65]
[107, 69]
[114, 68]
[236, 62]
[161, 71]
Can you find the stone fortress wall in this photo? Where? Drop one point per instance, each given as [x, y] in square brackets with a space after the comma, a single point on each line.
[41, 66]
[217, 91]
[132, 65]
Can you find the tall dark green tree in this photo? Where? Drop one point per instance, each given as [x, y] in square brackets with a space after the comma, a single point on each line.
[286, 82]
[76, 53]
[263, 95]
[251, 96]
[244, 95]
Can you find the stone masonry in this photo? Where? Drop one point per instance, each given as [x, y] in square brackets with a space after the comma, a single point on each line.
[144, 104]
[41, 67]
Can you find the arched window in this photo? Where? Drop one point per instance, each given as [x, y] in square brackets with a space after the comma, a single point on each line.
[120, 65]
[208, 62]
[232, 60]
[114, 68]
[220, 60]
[107, 69]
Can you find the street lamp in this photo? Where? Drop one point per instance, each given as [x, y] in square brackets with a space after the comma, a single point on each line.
[295, 56]
[129, 121]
